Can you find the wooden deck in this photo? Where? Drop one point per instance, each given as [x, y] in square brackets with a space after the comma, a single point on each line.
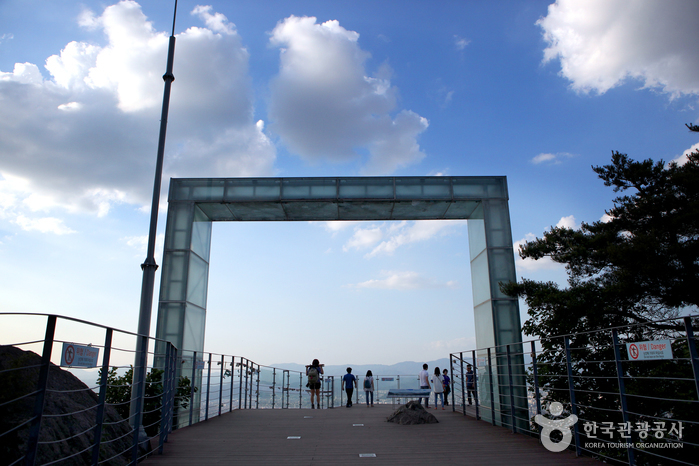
[341, 435]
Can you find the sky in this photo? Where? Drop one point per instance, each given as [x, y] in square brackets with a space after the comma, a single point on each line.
[535, 91]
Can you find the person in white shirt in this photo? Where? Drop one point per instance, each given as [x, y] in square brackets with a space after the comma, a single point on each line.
[369, 388]
[438, 387]
[424, 383]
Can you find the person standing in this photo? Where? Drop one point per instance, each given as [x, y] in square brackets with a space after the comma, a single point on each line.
[350, 383]
[369, 388]
[438, 387]
[424, 377]
[313, 372]
[470, 382]
[447, 386]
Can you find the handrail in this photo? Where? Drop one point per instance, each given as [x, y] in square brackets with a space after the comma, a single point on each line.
[611, 388]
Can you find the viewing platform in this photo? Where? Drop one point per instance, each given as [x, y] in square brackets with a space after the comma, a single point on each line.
[351, 435]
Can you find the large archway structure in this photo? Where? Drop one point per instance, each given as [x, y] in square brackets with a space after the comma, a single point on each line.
[195, 203]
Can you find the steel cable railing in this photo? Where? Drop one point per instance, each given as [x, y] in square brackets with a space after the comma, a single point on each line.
[598, 377]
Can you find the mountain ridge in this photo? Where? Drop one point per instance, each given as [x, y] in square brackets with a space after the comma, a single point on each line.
[400, 368]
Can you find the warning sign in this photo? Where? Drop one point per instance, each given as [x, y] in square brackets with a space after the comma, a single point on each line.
[79, 356]
[649, 350]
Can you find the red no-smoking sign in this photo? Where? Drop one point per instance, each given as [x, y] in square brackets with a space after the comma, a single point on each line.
[633, 351]
[69, 354]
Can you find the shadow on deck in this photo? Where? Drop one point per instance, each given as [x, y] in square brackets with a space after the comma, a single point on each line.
[341, 435]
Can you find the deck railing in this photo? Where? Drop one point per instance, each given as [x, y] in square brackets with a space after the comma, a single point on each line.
[49, 417]
[634, 391]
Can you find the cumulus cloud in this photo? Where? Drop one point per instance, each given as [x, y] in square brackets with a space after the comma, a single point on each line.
[544, 263]
[325, 107]
[404, 281]
[85, 138]
[682, 159]
[602, 43]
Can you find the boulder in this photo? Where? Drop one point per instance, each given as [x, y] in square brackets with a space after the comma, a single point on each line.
[67, 394]
[412, 413]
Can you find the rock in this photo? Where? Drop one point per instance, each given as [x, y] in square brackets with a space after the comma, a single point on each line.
[67, 395]
[412, 413]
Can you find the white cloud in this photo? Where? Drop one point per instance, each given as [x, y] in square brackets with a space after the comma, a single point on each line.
[602, 43]
[682, 159]
[551, 158]
[404, 233]
[83, 140]
[544, 263]
[140, 245]
[460, 42]
[404, 281]
[325, 107]
[43, 225]
[364, 238]
[567, 222]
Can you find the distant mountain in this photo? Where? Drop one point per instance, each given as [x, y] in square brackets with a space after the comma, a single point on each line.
[401, 368]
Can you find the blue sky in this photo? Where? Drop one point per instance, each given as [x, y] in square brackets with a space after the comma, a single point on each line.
[536, 91]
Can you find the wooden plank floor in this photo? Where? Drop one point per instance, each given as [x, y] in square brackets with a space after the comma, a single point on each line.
[332, 436]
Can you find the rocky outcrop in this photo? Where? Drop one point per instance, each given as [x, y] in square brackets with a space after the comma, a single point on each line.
[67, 394]
[412, 413]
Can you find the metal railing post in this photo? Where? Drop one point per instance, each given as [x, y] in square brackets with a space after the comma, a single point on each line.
[622, 391]
[475, 384]
[571, 388]
[451, 372]
[192, 386]
[257, 395]
[230, 402]
[102, 397]
[300, 389]
[139, 384]
[240, 384]
[537, 394]
[274, 385]
[165, 398]
[463, 384]
[512, 391]
[492, 392]
[220, 385]
[208, 389]
[691, 343]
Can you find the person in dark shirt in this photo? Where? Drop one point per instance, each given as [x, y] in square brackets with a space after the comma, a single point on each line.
[447, 386]
[350, 383]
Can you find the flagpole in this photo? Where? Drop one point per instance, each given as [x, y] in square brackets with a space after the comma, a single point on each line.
[149, 267]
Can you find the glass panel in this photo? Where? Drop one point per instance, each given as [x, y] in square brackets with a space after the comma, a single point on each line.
[462, 209]
[197, 281]
[209, 190]
[366, 188]
[194, 321]
[217, 212]
[310, 210]
[249, 189]
[173, 276]
[476, 237]
[480, 280]
[309, 188]
[419, 210]
[483, 315]
[507, 315]
[365, 210]
[258, 211]
[423, 188]
[502, 269]
[179, 224]
[201, 234]
[170, 321]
